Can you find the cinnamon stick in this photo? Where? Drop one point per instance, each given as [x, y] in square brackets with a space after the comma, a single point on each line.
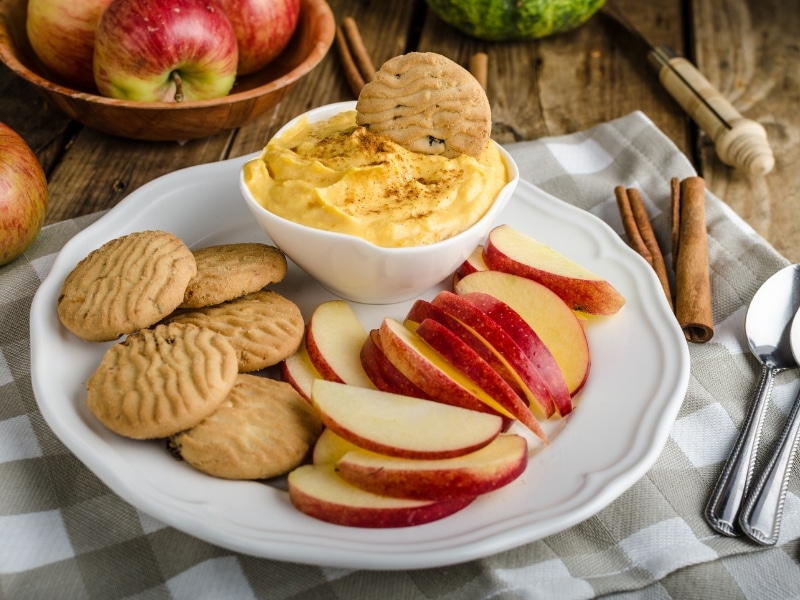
[356, 62]
[479, 67]
[692, 277]
[357, 49]
[641, 236]
[675, 205]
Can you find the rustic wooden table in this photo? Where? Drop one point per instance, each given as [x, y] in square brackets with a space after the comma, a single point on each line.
[561, 84]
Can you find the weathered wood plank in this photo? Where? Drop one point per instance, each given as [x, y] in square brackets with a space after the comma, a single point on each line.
[751, 53]
[571, 81]
[383, 26]
[557, 85]
[97, 170]
[44, 129]
[100, 170]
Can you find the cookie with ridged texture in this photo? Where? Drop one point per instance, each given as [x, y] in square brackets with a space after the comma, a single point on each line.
[127, 284]
[227, 271]
[163, 380]
[263, 327]
[263, 429]
[427, 103]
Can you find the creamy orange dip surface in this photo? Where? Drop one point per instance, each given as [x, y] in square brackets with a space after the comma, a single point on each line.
[336, 175]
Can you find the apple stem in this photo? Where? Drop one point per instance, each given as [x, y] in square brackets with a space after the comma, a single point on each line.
[176, 77]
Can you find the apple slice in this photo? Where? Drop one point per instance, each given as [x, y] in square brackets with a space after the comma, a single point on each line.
[369, 360]
[317, 491]
[466, 360]
[474, 262]
[402, 426]
[429, 371]
[330, 447]
[546, 313]
[512, 251]
[527, 339]
[334, 338]
[468, 476]
[382, 372]
[297, 371]
[422, 309]
[505, 347]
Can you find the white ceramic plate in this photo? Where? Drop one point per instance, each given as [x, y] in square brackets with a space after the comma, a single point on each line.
[639, 375]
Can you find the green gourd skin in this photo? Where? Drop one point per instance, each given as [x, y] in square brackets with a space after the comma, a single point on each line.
[505, 20]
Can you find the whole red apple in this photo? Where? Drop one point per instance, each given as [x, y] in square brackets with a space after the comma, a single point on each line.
[23, 195]
[165, 51]
[61, 33]
[263, 28]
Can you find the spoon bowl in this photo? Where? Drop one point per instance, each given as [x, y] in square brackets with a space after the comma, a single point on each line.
[768, 328]
[768, 323]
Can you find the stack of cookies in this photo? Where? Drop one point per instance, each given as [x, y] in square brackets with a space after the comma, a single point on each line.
[196, 324]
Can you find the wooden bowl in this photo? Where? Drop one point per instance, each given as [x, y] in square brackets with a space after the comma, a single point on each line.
[164, 121]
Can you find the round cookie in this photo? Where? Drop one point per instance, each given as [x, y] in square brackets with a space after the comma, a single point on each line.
[263, 429]
[263, 327]
[427, 103]
[160, 381]
[127, 284]
[227, 271]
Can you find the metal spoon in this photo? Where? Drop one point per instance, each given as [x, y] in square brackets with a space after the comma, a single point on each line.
[767, 326]
[760, 519]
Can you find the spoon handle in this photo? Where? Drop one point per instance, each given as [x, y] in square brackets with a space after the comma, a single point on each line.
[761, 514]
[723, 507]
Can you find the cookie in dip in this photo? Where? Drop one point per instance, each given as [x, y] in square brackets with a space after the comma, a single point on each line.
[338, 176]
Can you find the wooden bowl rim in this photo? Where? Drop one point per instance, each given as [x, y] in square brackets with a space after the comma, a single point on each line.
[318, 10]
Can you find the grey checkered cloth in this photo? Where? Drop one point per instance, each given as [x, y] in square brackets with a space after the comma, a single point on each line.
[63, 534]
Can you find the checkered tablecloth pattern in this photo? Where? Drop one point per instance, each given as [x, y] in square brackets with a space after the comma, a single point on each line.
[64, 534]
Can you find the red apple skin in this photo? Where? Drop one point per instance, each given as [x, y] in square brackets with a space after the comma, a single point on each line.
[61, 33]
[141, 44]
[422, 309]
[466, 360]
[369, 361]
[530, 342]
[23, 195]
[481, 472]
[297, 371]
[514, 252]
[402, 426]
[496, 337]
[334, 338]
[317, 491]
[383, 373]
[474, 262]
[263, 28]
[547, 314]
[430, 379]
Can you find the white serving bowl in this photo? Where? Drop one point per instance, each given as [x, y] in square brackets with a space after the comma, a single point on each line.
[357, 270]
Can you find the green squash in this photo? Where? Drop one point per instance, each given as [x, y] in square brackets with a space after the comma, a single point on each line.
[497, 20]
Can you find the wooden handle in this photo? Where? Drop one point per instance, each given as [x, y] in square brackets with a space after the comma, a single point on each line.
[739, 142]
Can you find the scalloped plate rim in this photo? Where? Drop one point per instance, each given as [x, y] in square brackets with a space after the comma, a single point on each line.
[282, 533]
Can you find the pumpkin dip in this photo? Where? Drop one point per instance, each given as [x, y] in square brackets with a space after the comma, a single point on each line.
[337, 176]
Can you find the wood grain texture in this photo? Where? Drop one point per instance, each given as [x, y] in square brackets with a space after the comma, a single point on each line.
[752, 54]
[172, 121]
[571, 81]
[384, 30]
[552, 86]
